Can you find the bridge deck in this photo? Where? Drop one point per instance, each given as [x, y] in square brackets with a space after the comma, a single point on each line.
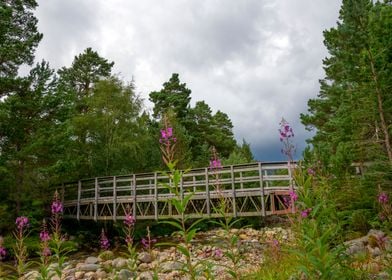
[254, 189]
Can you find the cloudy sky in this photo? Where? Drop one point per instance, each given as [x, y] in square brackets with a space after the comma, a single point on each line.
[256, 60]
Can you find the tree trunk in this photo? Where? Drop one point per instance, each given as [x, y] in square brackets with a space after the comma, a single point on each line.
[383, 124]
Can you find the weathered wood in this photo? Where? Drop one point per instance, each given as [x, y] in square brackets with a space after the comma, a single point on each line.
[233, 201]
[208, 206]
[96, 200]
[156, 196]
[134, 195]
[79, 197]
[114, 213]
[251, 188]
[261, 189]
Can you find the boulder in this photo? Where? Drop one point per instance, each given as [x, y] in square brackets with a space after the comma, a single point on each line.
[145, 257]
[91, 260]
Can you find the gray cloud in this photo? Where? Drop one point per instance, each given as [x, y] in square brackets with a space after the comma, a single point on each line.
[258, 61]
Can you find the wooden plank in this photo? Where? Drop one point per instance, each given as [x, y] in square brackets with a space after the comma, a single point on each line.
[262, 189]
[234, 203]
[207, 192]
[114, 198]
[155, 196]
[134, 195]
[79, 197]
[96, 200]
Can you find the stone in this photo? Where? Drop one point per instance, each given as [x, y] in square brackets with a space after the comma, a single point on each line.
[143, 267]
[31, 275]
[89, 267]
[146, 275]
[119, 263]
[170, 266]
[90, 275]
[106, 255]
[243, 236]
[101, 274]
[125, 274]
[91, 260]
[79, 274]
[145, 257]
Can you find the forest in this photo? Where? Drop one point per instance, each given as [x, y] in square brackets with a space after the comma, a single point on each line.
[84, 121]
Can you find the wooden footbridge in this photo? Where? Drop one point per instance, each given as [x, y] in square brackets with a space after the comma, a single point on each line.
[254, 189]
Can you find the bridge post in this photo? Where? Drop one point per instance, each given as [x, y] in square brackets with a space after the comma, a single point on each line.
[96, 200]
[79, 196]
[233, 202]
[261, 180]
[114, 213]
[134, 195]
[207, 192]
[289, 171]
[156, 196]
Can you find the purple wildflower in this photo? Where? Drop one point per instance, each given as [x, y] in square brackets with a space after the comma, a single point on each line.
[311, 171]
[383, 198]
[129, 240]
[129, 220]
[22, 222]
[3, 253]
[293, 195]
[287, 201]
[44, 235]
[104, 241]
[215, 164]
[306, 212]
[148, 242]
[46, 252]
[218, 253]
[57, 207]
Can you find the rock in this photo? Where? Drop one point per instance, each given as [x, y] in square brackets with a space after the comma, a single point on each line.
[79, 274]
[106, 255]
[125, 274]
[146, 275]
[119, 263]
[143, 267]
[90, 275]
[145, 257]
[91, 260]
[170, 266]
[243, 236]
[89, 267]
[374, 251]
[383, 276]
[32, 275]
[101, 274]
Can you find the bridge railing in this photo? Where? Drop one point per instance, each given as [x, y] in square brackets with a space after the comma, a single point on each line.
[232, 181]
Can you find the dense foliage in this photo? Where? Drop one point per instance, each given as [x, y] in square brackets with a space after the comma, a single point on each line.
[84, 121]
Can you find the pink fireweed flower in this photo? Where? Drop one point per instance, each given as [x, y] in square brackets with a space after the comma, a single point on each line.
[383, 198]
[129, 240]
[57, 207]
[311, 172]
[293, 195]
[46, 252]
[129, 220]
[3, 253]
[22, 222]
[218, 253]
[215, 164]
[147, 242]
[167, 135]
[306, 213]
[44, 236]
[104, 241]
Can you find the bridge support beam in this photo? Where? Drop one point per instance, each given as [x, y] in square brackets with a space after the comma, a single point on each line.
[262, 189]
